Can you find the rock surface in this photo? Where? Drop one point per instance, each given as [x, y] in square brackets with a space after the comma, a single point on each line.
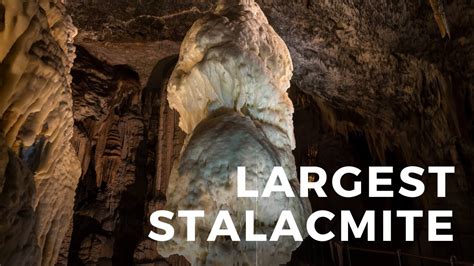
[39, 181]
[229, 88]
[118, 125]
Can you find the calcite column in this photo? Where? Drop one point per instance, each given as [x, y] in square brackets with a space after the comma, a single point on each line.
[229, 88]
[36, 55]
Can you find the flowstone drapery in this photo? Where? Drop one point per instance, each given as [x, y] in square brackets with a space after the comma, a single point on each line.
[39, 170]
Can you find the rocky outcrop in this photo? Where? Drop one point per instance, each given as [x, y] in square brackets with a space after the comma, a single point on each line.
[40, 178]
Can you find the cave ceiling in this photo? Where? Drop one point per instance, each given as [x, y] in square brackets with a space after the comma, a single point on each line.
[368, 64]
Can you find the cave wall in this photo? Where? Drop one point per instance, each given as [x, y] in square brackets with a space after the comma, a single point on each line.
[379, 77]
[39, 169]
[126, 138]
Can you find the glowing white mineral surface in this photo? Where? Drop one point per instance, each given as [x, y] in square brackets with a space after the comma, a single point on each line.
[229, 87]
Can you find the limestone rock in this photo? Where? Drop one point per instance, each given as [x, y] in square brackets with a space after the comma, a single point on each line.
[35, 105]
[229, 88]
[17, 239]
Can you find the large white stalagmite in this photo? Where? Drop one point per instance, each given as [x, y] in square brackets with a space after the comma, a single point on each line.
[229, 87]
[36, 56]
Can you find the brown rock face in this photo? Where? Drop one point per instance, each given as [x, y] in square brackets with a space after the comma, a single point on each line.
[117, 127]
[107, 137]
[16, 209]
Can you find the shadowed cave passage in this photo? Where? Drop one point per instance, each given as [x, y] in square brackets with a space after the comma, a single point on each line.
[333, 152]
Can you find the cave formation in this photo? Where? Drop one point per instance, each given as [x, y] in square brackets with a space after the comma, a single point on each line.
[229, 88]
[93, 123]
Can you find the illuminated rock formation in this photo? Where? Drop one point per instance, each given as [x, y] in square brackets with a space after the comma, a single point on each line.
[229, 87]
[36, 55]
